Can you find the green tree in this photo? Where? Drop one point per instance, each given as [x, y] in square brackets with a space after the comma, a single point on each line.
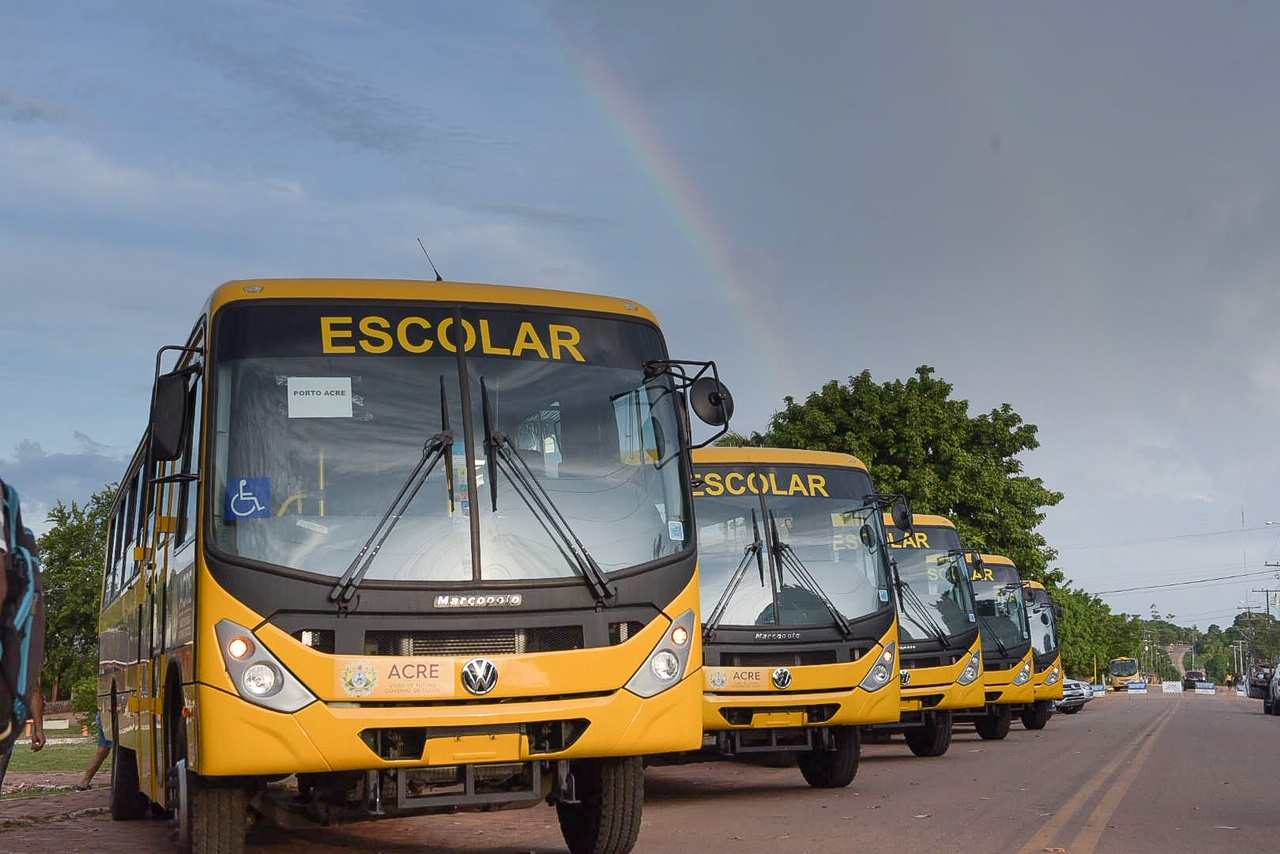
[918, 441]
[71, 556]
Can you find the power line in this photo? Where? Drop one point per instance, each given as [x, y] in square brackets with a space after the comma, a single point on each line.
[1185, 583]
[1145, 540]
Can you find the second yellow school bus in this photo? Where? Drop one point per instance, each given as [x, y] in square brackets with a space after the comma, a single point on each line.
[800, 632]
[1007, 664]
[417, 546]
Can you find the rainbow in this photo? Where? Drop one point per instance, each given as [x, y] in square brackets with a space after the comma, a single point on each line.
[707, 239]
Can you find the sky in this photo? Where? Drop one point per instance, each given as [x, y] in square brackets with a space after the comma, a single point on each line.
[1069, 208]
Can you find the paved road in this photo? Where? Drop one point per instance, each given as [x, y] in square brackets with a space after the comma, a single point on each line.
[1128, 774]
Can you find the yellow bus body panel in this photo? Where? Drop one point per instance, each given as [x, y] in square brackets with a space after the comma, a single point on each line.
[1002, 681]
[244, 738]
[930, 681]
[1049, 692]
[412, 290]
[811, 684]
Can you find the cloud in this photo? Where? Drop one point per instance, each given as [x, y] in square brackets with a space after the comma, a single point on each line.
[43, 479]
[17, 109]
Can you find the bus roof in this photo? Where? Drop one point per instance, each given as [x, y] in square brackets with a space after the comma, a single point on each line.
[783, 456]
[1036, 585]
[1000, 560]
[420, 289]
[930, 519]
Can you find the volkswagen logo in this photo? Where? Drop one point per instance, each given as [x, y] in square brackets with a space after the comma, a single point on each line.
[905, 675]
[782, 678]
[479, 675]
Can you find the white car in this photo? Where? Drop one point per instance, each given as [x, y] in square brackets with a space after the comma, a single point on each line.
[1074, 695]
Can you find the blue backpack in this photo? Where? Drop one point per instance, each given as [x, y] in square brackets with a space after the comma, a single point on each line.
[21, 621]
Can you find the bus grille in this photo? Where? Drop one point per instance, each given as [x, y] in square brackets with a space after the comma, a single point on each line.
[779, 658]
[478, 642]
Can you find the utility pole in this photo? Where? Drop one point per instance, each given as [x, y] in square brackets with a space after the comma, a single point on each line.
[1266, 593]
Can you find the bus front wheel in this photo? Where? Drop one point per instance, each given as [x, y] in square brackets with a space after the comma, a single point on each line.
[1037, 716]
[209, 819]
[994, 726]
[932, 739]
[836, 768]
[610, 801]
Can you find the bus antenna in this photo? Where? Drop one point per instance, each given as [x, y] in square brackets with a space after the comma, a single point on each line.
[439, 278]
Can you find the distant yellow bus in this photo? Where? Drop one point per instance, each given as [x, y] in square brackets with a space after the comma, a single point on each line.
[800, 634]
[1007, 663]
[417, 546]
[1122, 671]
[940, 644]
[1042, 617]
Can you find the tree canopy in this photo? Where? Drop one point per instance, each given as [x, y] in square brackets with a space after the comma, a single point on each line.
[919, 441]
[71, 557]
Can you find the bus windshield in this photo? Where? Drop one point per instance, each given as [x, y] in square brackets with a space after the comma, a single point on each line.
[998, 599]
[348, 432]
[797, 534]
[1124, 667]
[1044, 628]
[936, 591]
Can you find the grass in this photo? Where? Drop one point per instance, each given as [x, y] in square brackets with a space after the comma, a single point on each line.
[73, 756]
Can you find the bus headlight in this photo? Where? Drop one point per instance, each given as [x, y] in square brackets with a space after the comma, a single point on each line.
[1054, 675]
[261, 680]
[258, 676]
[668, 661]
[971, 671]
[1024, 675]
[880, 672]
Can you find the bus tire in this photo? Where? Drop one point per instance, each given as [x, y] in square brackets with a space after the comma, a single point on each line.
[127, 801]
[932, 739]
[218, 816]
[833, 769]
[994, 726]
[606, 818]
[1037, 716]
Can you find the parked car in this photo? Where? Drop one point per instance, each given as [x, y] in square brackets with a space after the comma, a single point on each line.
[1191, 677]
[1257, 685]
[1074, 695]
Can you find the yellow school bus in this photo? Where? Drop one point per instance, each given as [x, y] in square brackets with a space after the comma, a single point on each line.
[398, 547]
[1007, 665]
[1122, 671]
[799, 634]
[940, 645]
[1042, 617]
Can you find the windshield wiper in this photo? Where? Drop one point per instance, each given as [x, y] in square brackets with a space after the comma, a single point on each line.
[432, 450]
[919, 613]
[503, 453]
[989, 626]
[788, 558]
[755, 550]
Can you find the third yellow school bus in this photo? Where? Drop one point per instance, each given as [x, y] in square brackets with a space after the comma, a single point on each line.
[1007, 664]
[418, 546]
[800, 635]
[940, 645]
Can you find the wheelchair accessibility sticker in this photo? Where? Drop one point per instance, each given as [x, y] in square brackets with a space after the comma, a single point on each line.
[249, 498]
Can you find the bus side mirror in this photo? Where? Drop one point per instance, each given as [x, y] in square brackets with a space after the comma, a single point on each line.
[711, 401]
[902, 516]
[169, 404]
